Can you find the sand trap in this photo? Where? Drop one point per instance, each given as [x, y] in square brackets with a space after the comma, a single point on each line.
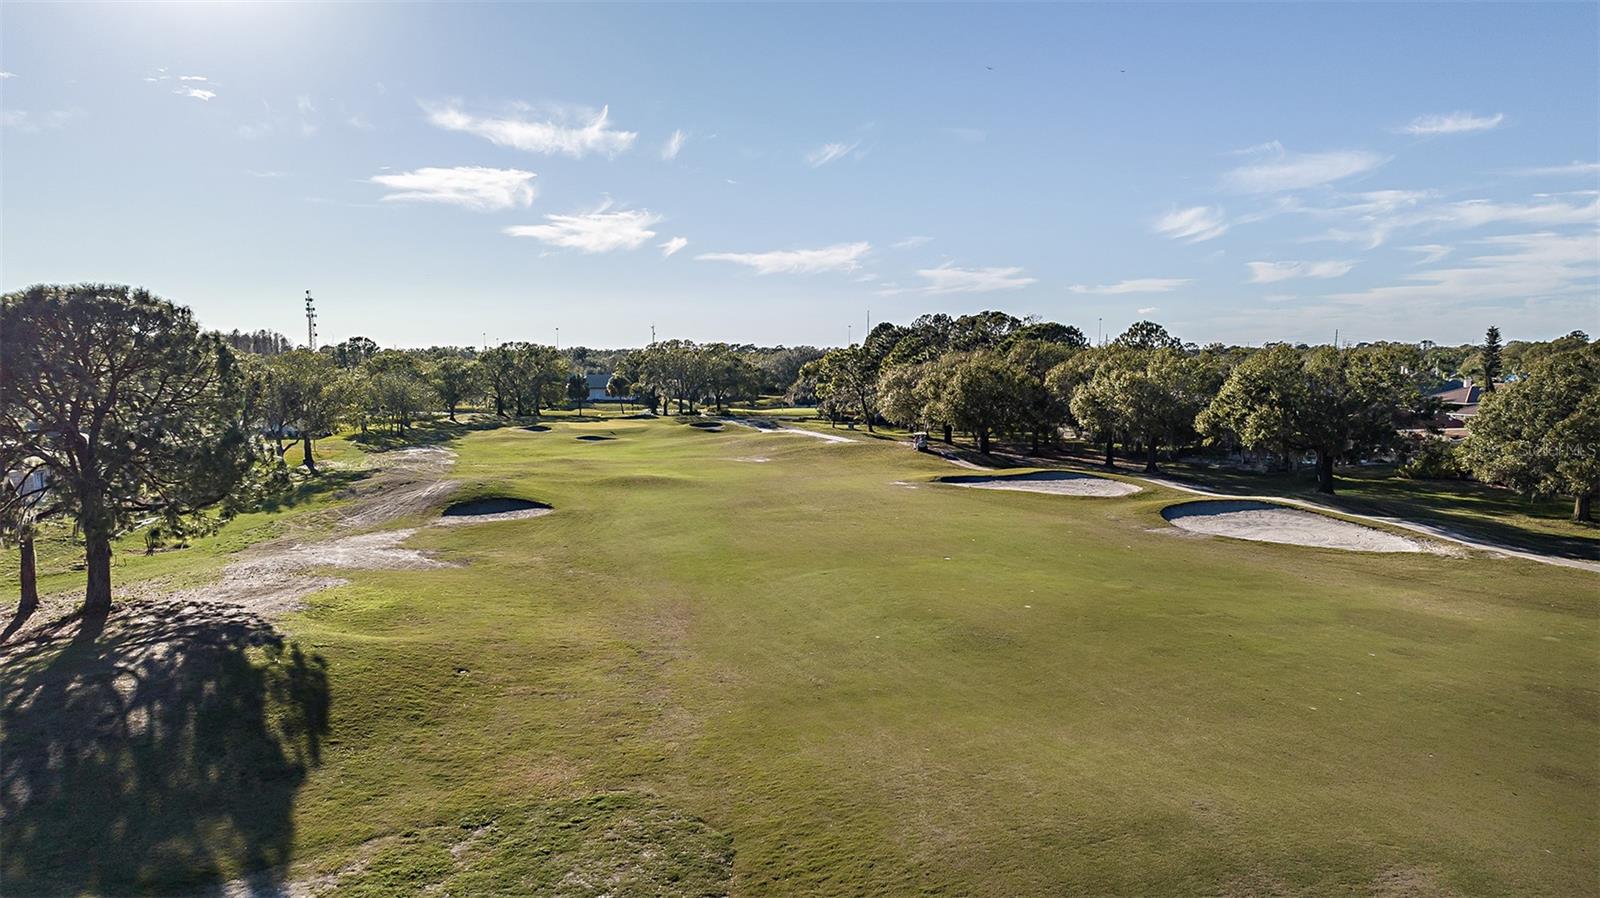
[537, 428]
[499, 508]
[1063, 483]
[594, 438]
[766, 426]
[706, 425]
[1268, 523]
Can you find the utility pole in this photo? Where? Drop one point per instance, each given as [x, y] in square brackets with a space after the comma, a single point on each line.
[849, 335]
[311, 323]
[652, 334]
[558, 339]
[1099, 325]
[869, 324]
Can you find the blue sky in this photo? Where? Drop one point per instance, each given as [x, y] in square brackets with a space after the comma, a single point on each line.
[450, 173]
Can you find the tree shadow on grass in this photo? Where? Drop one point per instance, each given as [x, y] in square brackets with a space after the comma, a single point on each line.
[154, 752]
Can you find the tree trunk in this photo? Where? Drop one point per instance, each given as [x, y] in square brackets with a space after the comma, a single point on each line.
[1111, 453]
[97, 556]
[1580, 508]
[983, 440]
[281, 448]
[1035, 449]
[949, 435]
[27, 572]
[1150, 457]
[311, 463]
[1324, 472]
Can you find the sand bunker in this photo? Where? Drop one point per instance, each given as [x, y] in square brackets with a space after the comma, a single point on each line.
[766, 426]
[594, 438]
[498, 508]
[706, 425]
[1268, 523]
[1063, 483]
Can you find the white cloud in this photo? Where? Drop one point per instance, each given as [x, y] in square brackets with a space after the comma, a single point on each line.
[911, 242]
[24, 121]
[1271, 146]
[1147, 311]
[1571, 168]
[1272, 272]
[1518, 268]
[1192, 225]
[674, 145]
[1376, 223]
[599, 231]
[258, 173]
[1431, 252]
[838, 257]
[199, 93]
[472, 187]
[672, 246]
[5, 75]
[949, 279]
[829, 152]
[549, 137]
[1452, 123]
[1294, 171]
[193, 78]
[1136, 285]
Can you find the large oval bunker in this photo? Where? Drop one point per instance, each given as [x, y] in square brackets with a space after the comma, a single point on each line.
[1270, 523]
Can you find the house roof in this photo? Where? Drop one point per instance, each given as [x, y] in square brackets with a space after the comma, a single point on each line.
[597, 381]
[1458, 392]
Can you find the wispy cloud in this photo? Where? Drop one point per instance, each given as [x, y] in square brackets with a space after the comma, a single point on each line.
[193, 78]
[1517, 267]
[1272, 272]
[599, 231]
[564, 137]
[259, 173]
[1571, 168]
[838, 257]
[1136, 285]
[1375, 225]
[948, 278]
[198, 93]
[674, 145]
[1296, 171]
[1430, 252]
[911, 242]
[471, 187]
[1147, 311]
[5, 75]
[1192, 225]
[1452, 123]
[672, 246]
[23, 121]
[830, 152]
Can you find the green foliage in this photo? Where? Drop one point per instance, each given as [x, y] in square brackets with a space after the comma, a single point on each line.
[1433, 458]
[133, 410]
[1489, 358]
[1541, 435]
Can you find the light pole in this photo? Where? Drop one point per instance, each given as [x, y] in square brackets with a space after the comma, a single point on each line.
[311, 323]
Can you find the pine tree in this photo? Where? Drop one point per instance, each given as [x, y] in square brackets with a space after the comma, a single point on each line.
[1491, 358]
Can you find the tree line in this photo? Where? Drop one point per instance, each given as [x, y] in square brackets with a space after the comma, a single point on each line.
[118, 413]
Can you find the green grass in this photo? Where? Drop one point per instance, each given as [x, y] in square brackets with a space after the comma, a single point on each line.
[703, 676]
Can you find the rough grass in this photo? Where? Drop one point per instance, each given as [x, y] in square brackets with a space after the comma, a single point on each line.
[800, 678]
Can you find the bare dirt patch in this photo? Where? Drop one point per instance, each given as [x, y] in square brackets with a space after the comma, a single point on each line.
[1061, 483]
[1266, 522]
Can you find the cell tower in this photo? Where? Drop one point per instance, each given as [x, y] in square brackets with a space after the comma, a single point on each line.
[311, 323]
